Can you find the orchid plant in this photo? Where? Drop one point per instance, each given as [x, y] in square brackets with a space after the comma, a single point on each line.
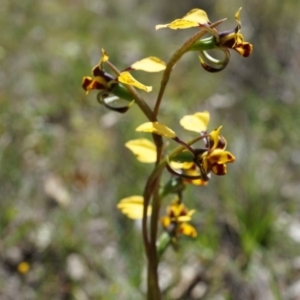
[187, 163]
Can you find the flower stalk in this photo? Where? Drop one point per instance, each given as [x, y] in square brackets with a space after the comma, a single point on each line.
[186, 163]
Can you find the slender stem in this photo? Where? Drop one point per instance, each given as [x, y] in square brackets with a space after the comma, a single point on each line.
[149, 185]
[153, 280]
[175, 58]
[179, 141]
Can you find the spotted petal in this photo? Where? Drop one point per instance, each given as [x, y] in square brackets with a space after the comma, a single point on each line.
[144, 150]
[157, 128]
[220, 156]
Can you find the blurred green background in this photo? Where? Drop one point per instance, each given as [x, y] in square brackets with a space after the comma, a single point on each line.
[64, 167]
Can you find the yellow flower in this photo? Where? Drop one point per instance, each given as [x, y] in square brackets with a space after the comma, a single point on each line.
[108, 84]
[105, 82]
[23, 267]
[101, 80]
[177, 218]
[192, 165]
[230, 39]
[212, 158]
[215, 157]
[233, 39]
[175, 222]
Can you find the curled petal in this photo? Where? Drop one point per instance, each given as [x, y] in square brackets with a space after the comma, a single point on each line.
[193, 18]
[149, 64]
[157, 128]
[188, 230]
[114, 103]
[126, 78]
[133, 207]
[144, 150]
[197, 122]
[213, 65]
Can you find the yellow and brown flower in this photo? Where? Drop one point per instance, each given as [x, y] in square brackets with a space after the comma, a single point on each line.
[176, 219]
[233, 39]
[223, 41]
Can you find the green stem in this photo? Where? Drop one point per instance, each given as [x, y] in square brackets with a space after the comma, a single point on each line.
[152, 188]
[153, 280]
[149, 185]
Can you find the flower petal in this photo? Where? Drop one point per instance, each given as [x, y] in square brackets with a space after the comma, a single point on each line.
[220, 156]
[188, 230]
[176, 209]
[144, 150]
[178, 24]
[133, 207]
[244, 49]
[165, 221]
[237, 18]
[197, 15]
[103, 59]
[114, 103]
[193, 18]
[149, 64]
[105, 56]
[157, 128]
[219, 169]
[126, 78]
[197, 122]
[184, 218]
[214, 136]
[97, 83]
[181, 165]
[213, 65]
